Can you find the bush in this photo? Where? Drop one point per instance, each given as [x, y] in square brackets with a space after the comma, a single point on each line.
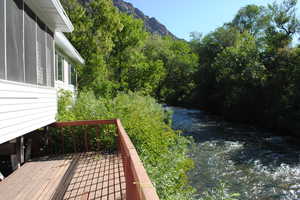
[162, 150]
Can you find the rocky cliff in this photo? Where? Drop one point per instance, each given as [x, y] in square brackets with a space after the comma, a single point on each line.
[151, 24]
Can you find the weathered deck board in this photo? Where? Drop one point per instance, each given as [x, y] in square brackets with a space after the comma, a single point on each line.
[98, 177]
[35, 180]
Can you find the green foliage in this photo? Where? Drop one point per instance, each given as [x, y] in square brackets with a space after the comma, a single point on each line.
[132, 69]
[179, 62]
[95, 27]
[65, 102]
[248, 69]
[121, 56]
[284, 17]
[181, 66]
[208, 49]
[162, 150]
[253, 19]
[239, 77]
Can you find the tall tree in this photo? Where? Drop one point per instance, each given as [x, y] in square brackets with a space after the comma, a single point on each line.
[240, 76]
[253, 19]
[95, 26]
[284, 24]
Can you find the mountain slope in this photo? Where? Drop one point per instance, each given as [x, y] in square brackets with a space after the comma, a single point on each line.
[151, 24]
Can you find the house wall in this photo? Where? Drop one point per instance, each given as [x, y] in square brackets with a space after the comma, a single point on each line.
[25, 108]
[28, 99]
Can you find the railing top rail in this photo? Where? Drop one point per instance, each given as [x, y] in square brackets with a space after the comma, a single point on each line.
[147, 189]
[82, 123]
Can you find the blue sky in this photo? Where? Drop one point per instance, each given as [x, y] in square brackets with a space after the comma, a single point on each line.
[182, 17]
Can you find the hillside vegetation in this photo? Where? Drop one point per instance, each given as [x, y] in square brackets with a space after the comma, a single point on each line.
[246, 70]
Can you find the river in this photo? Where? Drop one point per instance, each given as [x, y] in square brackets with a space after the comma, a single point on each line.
[239, 158]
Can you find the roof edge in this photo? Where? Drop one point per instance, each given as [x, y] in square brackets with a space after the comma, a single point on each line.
[61, 23]
[63, 15]
[62, 42]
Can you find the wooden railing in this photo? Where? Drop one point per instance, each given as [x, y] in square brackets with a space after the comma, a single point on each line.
[138, 184]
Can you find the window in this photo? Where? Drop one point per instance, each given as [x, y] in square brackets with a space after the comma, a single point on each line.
[49, 58]
[41, 53]
[2, 40]
[56, 63]
[70, 73]
[26, 45]
[14, 40]
[73, 76]
[60, 68]
[30, 46]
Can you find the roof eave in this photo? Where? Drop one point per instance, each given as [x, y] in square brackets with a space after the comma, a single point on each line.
[51, 12]
[69, 26]
[65, 45]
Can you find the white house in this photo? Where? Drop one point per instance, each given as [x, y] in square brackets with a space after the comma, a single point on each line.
[36, 60]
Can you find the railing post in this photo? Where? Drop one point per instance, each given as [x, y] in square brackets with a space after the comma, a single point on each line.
[129, 179]
[118, 139]
[62, 140]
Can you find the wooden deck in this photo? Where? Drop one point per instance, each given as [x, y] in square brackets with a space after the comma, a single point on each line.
[88, 175]
[98, 177]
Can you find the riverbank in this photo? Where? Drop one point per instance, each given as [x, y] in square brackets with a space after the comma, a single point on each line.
[252, 123]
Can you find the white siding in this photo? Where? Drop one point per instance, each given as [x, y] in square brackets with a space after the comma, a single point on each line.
[25, 108]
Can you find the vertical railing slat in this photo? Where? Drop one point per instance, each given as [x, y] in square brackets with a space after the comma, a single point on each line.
[86, 140]
[98, 138]
[62, 140]
[74, 141]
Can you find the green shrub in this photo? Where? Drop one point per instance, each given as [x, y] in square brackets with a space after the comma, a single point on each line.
[162, 150]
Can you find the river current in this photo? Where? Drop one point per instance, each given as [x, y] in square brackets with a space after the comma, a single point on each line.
[239, 158]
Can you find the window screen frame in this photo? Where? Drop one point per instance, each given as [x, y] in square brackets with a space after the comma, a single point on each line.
[72, 74]
[50, 57]
[3, 40]
[30, 71]
[19, 26]
[15, 70]
[70, 66]
[41, 53]
[60, 72]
